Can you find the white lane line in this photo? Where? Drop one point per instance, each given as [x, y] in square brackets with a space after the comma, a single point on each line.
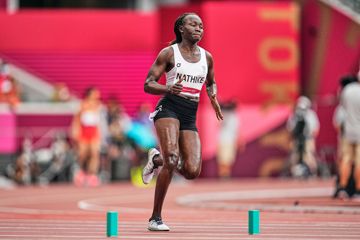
[189, 225]
[279, 208]
[184, 226]
[87, 205]
[198, 228]
[49, 236]
[214, 200]
[196, 236]
[67, 221]
[120, 199]
[169, 236]
[206, 222]
[256, 194]
[338, 236]
[17, 210]
[267, 232]
[33, 198]
[97, 204]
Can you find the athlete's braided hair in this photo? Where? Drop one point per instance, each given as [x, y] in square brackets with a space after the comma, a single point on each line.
[179, 22]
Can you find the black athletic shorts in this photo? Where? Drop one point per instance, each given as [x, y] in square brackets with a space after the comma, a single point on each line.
[173, 106]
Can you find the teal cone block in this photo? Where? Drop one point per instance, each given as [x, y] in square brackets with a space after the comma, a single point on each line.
[254, 221]
[112, 224]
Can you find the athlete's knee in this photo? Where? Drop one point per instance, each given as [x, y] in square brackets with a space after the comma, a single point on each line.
[82, 156]
[192, 171]
[171, 158]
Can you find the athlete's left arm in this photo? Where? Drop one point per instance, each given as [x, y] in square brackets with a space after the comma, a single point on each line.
[211, 87]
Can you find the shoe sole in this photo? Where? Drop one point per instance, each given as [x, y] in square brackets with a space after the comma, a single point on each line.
[158, 230]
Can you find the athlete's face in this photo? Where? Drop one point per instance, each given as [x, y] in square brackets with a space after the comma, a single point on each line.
[94, 94]
[192, 28]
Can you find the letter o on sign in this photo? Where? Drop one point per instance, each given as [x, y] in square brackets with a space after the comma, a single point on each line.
[272, 64]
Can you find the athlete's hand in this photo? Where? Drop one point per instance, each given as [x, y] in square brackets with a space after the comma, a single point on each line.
[176, 88]
[216, 107]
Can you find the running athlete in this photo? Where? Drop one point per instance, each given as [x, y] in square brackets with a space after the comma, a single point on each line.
[86, 133]
[187, 67]
[350, 100]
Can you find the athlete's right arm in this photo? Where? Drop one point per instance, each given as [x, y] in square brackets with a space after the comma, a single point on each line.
[161, 64]
[157, 69]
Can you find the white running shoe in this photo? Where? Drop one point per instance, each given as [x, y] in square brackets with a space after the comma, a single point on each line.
[149, 171]
[157, 225]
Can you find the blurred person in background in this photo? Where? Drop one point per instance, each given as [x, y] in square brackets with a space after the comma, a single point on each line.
[142, 132]
[228, 139]
[187, 67]
[142, 115]
[350, 101]
[25, 170]
[61, 93]
[142, 135]
[9, 89]
[304, 126]
[339, 113]
[339, 125]
[118, 121]
[60, 163]
[120, 151]
[86, 132]
[115, 111]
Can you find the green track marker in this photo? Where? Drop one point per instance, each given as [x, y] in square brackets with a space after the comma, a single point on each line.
[112, 224]
[254, 222]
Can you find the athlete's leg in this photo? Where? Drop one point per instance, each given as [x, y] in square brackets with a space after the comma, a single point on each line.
[83, 153]
[168, 133]
[82, 156]
[309, 156]
[92, 180]
[346, 164]
[190, 151]
[94, 159]
[357, 167]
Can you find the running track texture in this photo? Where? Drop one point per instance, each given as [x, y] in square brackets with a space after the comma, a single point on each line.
[202, 209]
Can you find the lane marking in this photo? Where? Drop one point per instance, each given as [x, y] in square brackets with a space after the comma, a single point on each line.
[182, 226]
[179, 223]
[173, 236]
[213, 200]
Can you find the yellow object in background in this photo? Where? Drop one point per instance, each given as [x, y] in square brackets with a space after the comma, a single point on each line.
[136, 179]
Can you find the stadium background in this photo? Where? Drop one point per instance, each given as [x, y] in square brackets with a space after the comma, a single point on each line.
[266, 54]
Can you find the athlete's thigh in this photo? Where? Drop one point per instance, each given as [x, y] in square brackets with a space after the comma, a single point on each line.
[190, 147]
[167, 130]
[83, 148]
[95, 147]
[357, 154]
[348, 153]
